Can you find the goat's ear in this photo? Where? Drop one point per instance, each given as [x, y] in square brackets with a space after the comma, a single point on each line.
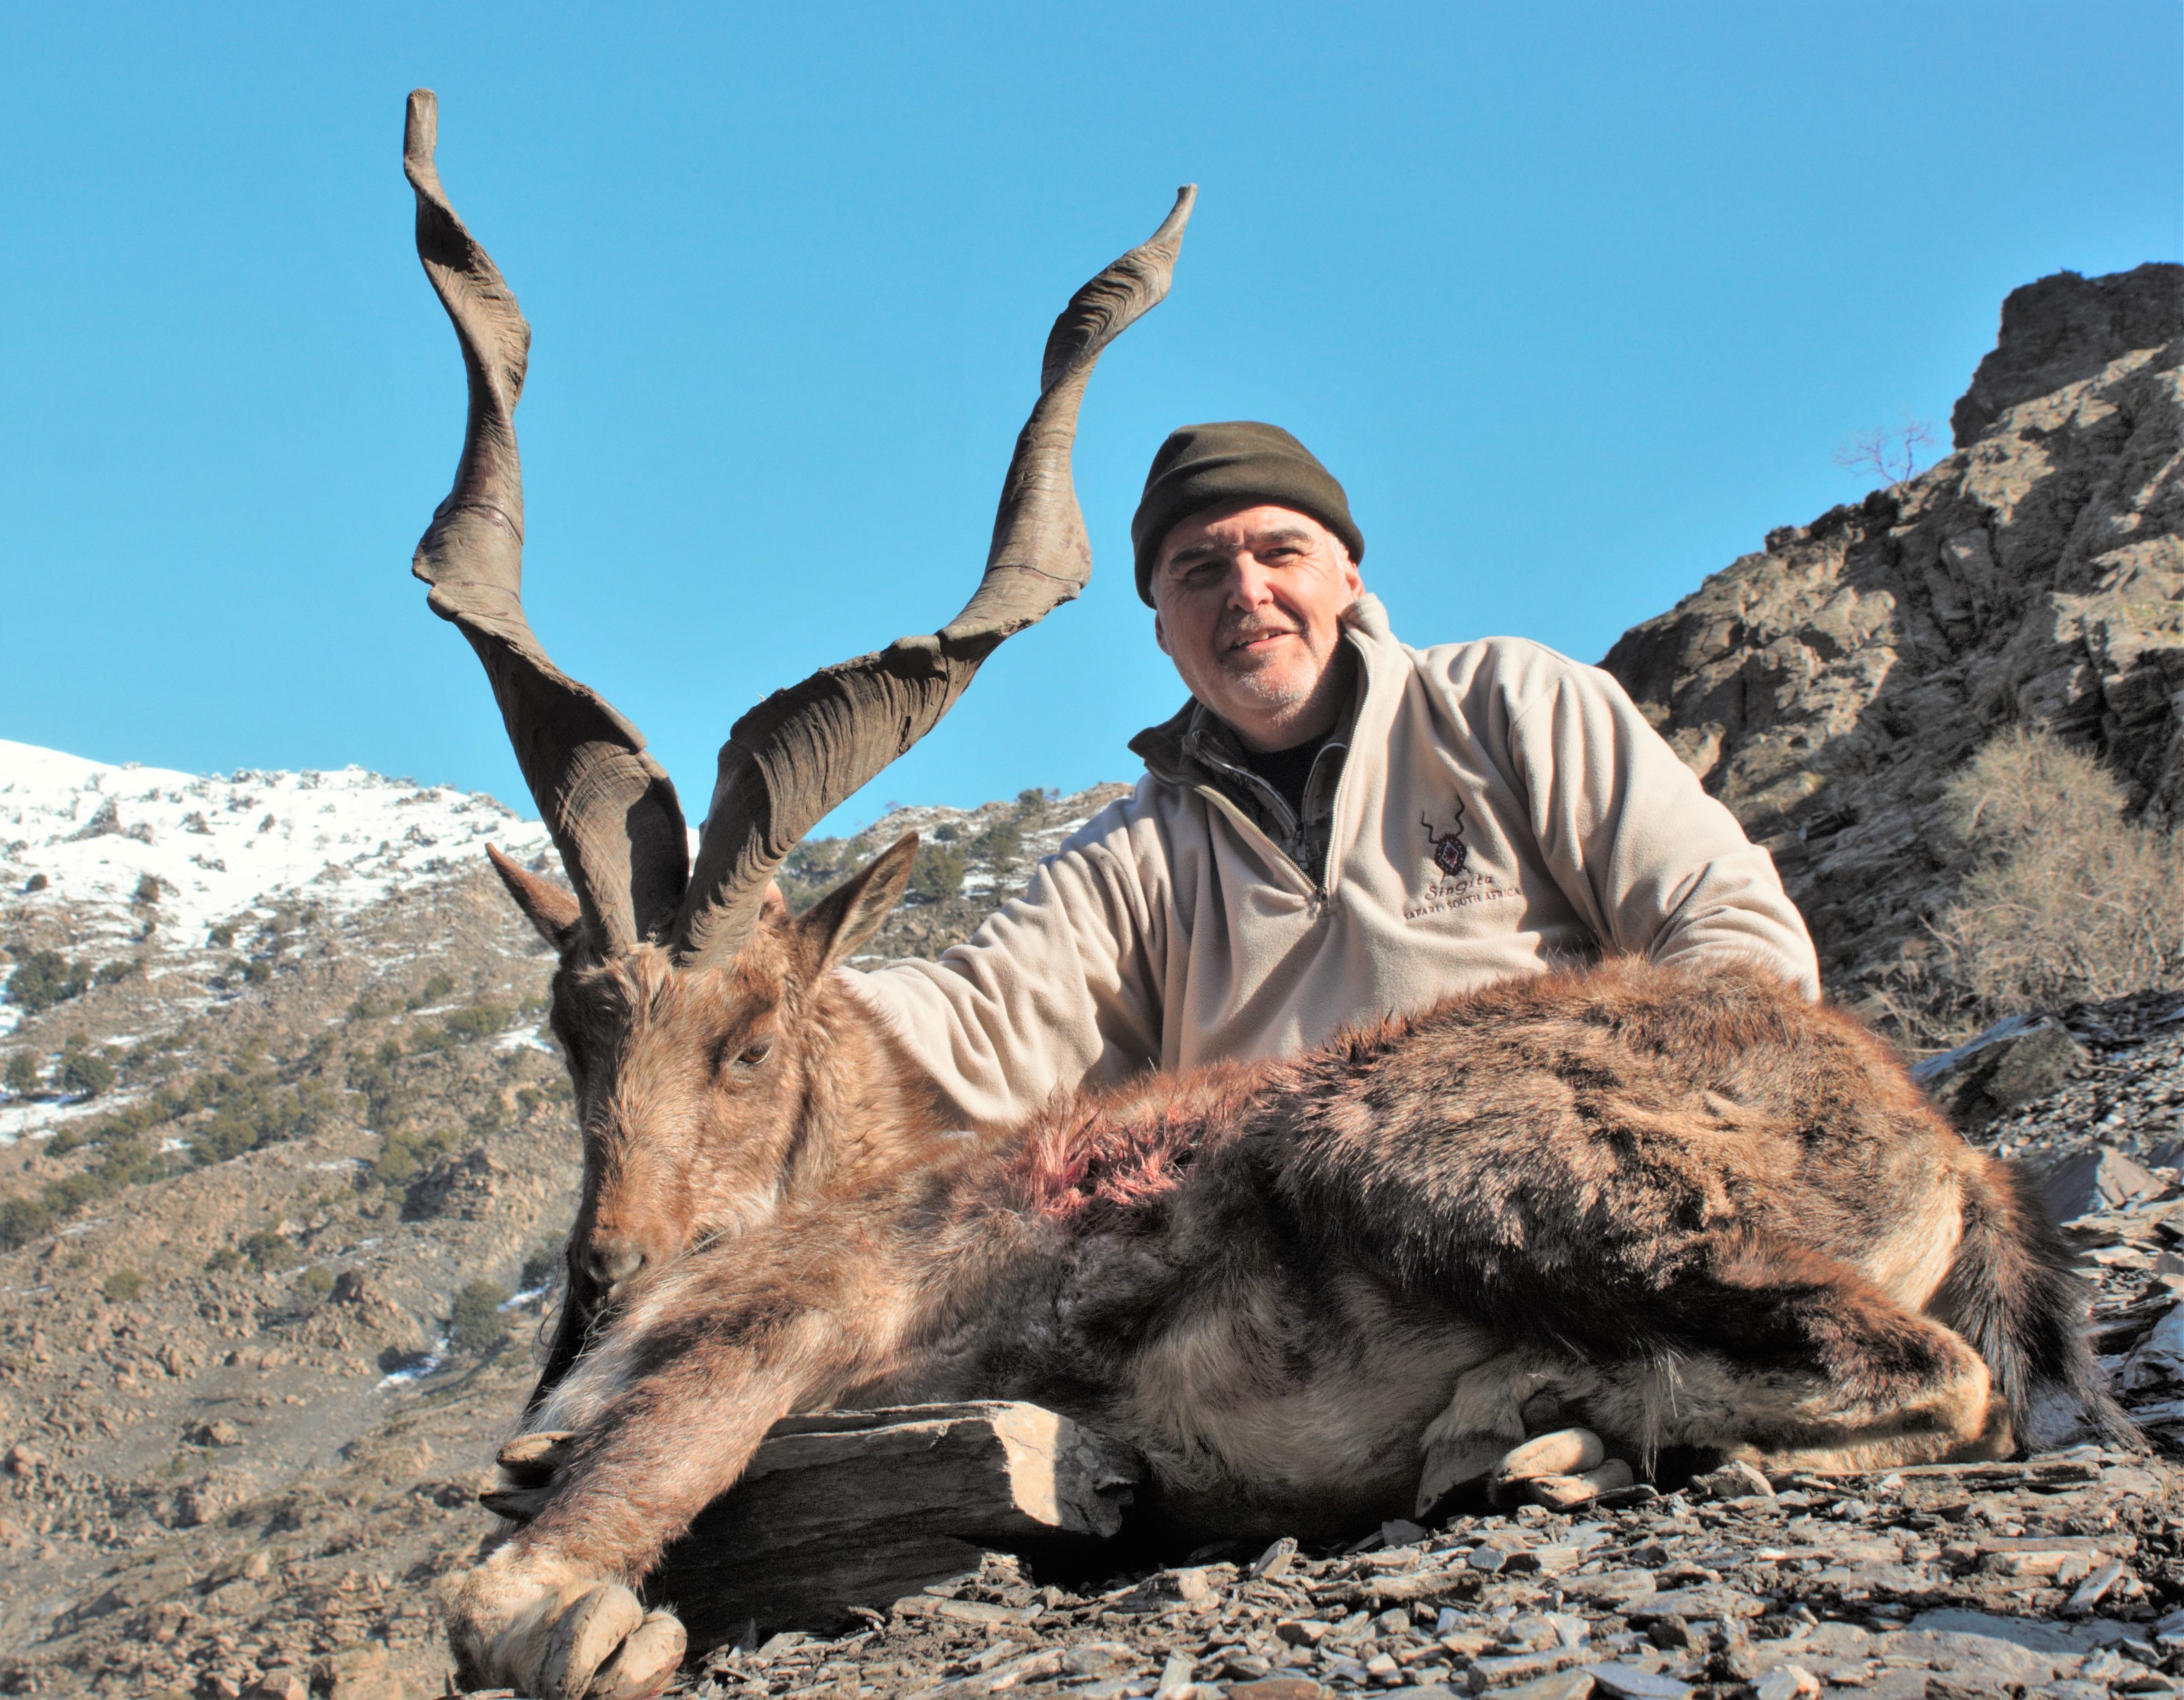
[551, 908]
[852, 911]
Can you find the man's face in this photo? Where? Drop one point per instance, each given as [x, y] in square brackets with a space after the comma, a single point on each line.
[1248, 602]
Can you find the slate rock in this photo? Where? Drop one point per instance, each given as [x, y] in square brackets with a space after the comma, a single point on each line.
[2015, 1061]
[2158, 1359]
[1627, 1682]
[2094, 1180]
[1563, 1685]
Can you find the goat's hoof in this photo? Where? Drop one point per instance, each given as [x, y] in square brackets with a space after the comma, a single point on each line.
[1563, 1451]
[607, 1646]
[1568, 1492]
[1561, 1470]
[546, 1629]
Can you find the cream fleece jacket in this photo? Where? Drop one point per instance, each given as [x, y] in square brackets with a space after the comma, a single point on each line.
[1502, 811]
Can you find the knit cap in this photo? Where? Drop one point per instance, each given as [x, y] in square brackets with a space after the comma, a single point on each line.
[1219, 466]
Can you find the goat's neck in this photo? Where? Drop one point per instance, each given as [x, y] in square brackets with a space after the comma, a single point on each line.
[870, 1113]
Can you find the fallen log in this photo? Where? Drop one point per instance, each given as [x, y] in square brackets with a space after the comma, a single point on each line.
[856, 1508]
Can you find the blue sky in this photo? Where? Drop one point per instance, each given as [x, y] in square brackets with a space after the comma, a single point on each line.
[1578, 300]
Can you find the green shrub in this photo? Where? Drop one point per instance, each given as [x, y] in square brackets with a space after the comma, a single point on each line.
[404, 1153]
[476, 1329]
[113, 973]
[542, 1268]
[476, 1022]
[317, 1281]
[936, 875]
[227, 1257]
[43, 978]
[22, 1073]
[123, 1286]
[251, 1111]
[222, 936]
[257, 971]
[23, 1220]
[1000, 844]
[148, 889]
[86, 1071]
[269, 1250]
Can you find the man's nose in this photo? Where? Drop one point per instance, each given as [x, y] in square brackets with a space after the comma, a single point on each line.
[1248, 579]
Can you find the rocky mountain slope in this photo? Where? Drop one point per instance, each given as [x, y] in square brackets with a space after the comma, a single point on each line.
[1825, 687]
[269, 1296]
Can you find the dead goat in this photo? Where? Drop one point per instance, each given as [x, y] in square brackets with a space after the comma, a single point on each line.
[1686, 1208]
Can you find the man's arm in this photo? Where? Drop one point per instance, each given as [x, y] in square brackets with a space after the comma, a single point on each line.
[1060, 986]
[1659, 868]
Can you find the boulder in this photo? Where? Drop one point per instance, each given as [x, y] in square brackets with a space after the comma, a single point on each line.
[2063, 329]
[2094, 1181]
[2013, 1062]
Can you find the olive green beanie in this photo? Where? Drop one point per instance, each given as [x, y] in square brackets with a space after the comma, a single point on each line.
[1238, 460]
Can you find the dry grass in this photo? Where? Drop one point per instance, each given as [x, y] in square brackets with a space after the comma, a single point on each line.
[2066, 898]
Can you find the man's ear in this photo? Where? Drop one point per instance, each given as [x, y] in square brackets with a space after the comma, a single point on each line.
[551, 908]
[852, 911]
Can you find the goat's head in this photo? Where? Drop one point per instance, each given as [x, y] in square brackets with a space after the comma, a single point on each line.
[695, 1085]
[686, 995]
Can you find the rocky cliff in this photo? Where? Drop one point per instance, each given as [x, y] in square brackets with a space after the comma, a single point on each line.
[1824, 688]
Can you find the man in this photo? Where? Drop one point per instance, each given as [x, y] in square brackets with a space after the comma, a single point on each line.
[1336, 827]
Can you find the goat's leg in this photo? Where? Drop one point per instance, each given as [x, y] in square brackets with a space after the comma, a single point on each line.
[1485, 1420]
[1622, 1241]
[1807, 1366]
[651, 1426]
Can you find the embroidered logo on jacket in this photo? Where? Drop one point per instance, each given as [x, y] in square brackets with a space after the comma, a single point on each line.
[1449, 852]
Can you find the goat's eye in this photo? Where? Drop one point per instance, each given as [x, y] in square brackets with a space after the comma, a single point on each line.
[753, 1053]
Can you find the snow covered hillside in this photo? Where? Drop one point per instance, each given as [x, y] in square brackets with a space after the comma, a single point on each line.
[136, 857]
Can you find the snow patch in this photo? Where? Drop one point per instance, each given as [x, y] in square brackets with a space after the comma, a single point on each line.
[226, 849]
[419, 1370]
[524, 1039]
[39, 1120]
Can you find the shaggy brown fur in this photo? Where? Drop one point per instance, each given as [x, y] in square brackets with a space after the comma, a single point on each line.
[1691, 1208]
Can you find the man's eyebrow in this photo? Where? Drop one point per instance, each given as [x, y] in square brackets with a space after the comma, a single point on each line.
[1197, 551]
[1201, 551]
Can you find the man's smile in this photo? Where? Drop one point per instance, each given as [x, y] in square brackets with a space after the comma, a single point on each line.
[1257, 642]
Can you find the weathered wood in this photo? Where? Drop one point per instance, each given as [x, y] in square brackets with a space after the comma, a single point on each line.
[843, 1508]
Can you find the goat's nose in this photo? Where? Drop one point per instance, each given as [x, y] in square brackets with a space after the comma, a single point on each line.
[612, 1259]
